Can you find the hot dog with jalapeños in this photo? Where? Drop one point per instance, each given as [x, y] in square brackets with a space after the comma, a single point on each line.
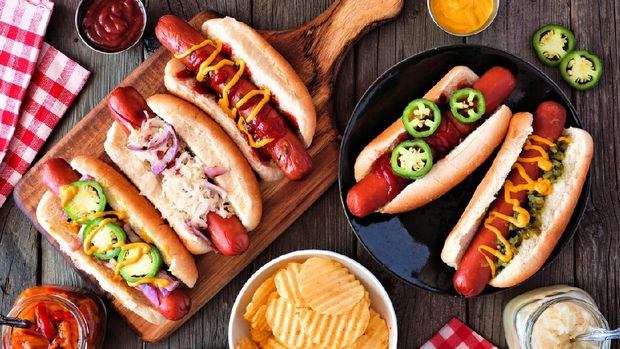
[115, 236]
[439, 141]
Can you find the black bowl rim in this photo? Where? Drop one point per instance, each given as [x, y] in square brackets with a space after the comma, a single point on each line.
[581, 202]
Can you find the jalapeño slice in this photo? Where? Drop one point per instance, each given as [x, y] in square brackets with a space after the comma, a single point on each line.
[421, 118]
[552, 43]
[412, 159]
[147, 266]
[581, 69]
[467, 105]
[104, 239]
[82, 198]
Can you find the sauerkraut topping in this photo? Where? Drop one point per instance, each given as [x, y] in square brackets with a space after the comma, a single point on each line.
[184, 179]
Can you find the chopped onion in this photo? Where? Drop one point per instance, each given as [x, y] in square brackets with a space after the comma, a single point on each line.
[213, 172]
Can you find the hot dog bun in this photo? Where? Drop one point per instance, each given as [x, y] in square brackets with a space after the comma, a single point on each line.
[211, 145]
[144, 220]
[268, 69]
[465, 229]
[556, 213]
[455, 166]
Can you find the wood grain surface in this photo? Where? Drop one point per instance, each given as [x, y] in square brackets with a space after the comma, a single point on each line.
[590, 261]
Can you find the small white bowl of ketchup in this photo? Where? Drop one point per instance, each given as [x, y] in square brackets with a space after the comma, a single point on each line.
[463, 17]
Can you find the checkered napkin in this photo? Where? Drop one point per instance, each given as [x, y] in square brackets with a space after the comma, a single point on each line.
[456, 335]
[37, 84]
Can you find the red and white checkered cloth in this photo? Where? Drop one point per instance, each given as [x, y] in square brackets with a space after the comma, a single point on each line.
[37, 85]
[456, 335]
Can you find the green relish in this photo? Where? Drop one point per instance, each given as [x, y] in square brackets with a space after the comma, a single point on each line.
[534, 205]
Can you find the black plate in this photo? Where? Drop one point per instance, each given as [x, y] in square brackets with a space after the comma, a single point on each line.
[409, 244]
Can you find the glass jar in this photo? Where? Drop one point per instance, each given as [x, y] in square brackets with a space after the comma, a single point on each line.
[552, 316]
[61, 317]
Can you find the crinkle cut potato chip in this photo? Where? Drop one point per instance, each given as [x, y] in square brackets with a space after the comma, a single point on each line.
[336, 331]
[283, 318]
[259, 320]
[260, 336]
[260, 297]
[376, 335]
[273, 343]
[286, 281]
[328, 287]
[246, 343]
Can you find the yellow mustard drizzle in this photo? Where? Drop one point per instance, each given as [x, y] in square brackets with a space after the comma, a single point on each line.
[522, 219]
[141, 248]
[153, 281]
[120, 214]
[224, 102]
[67, 193]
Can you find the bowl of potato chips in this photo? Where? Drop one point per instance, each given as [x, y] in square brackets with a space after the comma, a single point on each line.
[313, 299]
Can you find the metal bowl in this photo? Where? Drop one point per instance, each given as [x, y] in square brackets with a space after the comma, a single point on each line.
[79, 15]
[484, 26]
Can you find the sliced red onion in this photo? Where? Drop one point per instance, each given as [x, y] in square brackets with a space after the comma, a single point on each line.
[150, 292]
[165, 291]
[131, 235]
[86, 177]
[217, 189]
[110, 263]
[213, 172]
[158, 165]
[201, 235]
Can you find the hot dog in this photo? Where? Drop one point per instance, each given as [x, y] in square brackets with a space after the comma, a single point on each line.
[195, 177]
[114, 235]
[519, 227]
[259, 96]
[380, 189]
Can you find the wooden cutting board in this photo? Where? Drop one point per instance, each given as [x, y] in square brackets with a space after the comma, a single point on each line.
[315, 50]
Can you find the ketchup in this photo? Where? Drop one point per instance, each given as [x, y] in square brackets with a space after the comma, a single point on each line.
[113, 25]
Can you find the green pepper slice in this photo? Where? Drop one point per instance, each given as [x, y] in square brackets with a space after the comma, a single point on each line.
[467, 105]
[105, 237]
[82, 198]
[552, 43]
[412, 159]
[146, 267]
[421, 118]
[581, 69]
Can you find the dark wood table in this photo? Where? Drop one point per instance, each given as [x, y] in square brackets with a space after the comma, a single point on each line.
[590, 261]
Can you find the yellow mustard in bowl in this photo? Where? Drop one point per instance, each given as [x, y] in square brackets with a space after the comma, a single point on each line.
[463, 17]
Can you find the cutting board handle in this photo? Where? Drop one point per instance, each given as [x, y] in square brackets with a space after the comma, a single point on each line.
[316, 49]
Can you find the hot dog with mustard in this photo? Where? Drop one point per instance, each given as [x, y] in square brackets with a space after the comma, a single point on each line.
[522, 206]
[234, 75]
[187, 166]
[114, 235]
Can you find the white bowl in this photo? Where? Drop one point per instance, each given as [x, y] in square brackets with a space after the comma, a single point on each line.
[239, 328]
